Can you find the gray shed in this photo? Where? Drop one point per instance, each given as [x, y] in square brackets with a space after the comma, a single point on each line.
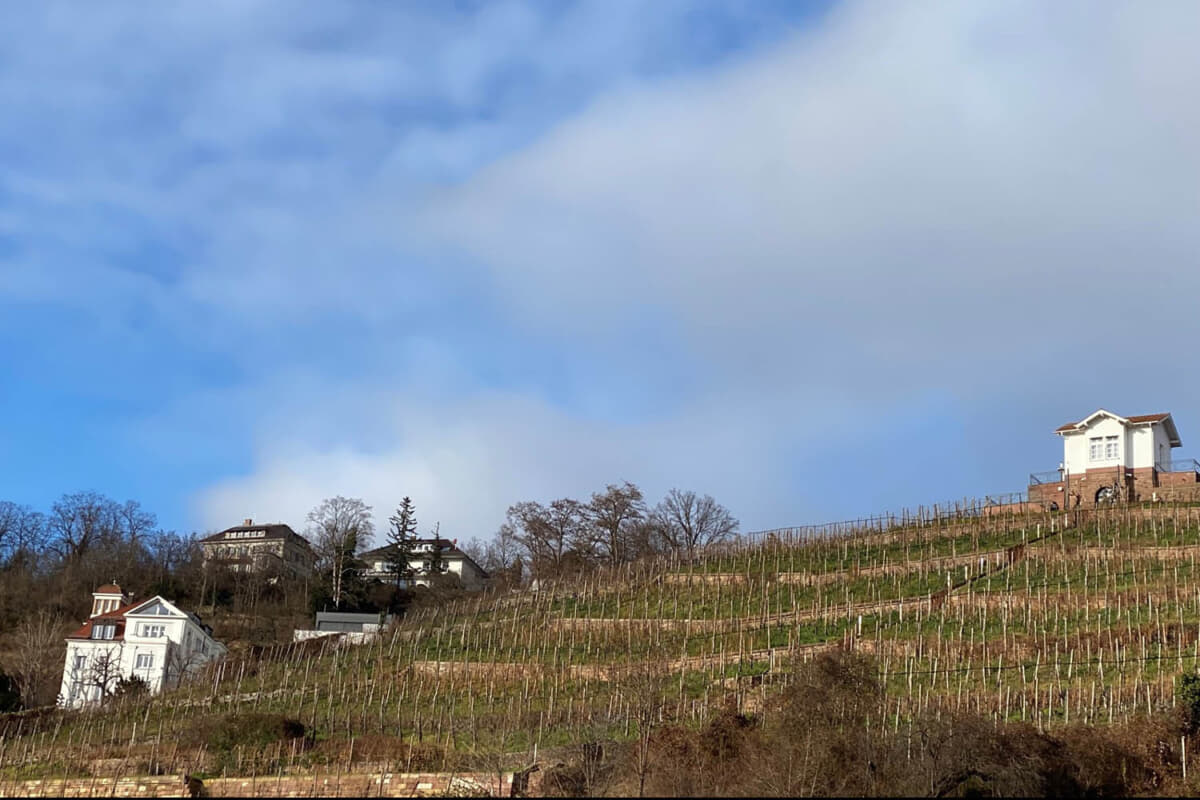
[346, 623]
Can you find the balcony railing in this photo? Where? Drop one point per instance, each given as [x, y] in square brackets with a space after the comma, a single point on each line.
[1053, 476]
[1179, 465]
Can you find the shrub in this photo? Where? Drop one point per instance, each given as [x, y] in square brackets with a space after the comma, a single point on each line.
[222, 734]
[10, 696]
[132, 686]
[1189, 697]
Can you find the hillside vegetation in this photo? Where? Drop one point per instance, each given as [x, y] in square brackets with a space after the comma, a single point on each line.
[855, 660]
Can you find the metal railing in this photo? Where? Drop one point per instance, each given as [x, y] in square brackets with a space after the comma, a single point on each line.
[1052, 476]
[1179, 465]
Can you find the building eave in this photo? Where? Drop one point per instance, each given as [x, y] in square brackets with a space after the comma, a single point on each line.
[1147, 420]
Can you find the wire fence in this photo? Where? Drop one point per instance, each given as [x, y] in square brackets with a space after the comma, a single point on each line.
[935, 514]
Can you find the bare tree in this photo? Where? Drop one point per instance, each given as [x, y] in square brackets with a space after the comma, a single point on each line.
[340, 527]
[135, 522]
[642, 691]
[81, 521]
[101, 672]
[687, 522]
[550, 533]
[35, 658]
[616, 514]
[182, 664]
[22, 530]
[500, 557]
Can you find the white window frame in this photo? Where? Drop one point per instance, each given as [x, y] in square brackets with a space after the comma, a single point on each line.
[144, 661]
[153, 631]
[1112, 448]
[1096, 448]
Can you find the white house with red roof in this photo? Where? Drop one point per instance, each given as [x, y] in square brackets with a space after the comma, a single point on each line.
[1108, 457]
[149, 639]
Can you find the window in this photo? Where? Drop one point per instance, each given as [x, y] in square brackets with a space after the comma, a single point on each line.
[103, 631]
[1104, 448]
[80, 663]
[145, 661]
[154, 631]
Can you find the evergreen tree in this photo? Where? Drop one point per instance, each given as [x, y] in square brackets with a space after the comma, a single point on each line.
[402, 541]
[437, 561]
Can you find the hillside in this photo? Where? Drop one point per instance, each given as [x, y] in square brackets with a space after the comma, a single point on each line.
[1047, 619]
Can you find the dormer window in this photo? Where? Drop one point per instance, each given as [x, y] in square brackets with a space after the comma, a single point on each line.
[104, 631]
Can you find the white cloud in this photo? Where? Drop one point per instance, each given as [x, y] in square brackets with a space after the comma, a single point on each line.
[917, 182]
[465, 462]
[992, 203]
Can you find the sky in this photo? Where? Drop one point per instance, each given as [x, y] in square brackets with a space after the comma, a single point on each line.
[818, 260]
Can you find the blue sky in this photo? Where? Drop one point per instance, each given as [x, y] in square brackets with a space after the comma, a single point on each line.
[818, 260]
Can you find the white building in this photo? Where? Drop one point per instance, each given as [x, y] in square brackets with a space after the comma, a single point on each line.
[351, 628]
[1104, 440]
[149, 639]
[454, 563]
[1109, 457]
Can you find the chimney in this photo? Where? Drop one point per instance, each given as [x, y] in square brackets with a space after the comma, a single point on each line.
[248, 522]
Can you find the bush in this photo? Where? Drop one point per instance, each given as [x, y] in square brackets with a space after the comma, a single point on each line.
[1189, 697]
[133, 686]
[222, 734]
[10, 696]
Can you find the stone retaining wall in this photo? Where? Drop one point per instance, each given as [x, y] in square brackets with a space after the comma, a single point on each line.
[324, 784]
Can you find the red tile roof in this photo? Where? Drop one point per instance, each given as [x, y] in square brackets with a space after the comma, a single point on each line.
[1070, 426]
[109, 588]
[116, 616]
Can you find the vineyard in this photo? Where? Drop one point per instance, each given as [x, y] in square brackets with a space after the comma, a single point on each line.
[1050, 619]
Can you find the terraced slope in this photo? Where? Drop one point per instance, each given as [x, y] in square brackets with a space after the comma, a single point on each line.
[1047, 618]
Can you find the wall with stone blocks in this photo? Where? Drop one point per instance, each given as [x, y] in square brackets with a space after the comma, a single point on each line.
[324, 784]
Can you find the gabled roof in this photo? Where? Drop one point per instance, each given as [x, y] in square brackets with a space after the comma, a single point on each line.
[114, 617]
[450, 549]
[139, 608]
[1163, 418]
[117, 617]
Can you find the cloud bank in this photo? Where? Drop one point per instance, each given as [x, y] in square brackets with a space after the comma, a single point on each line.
[868, 260]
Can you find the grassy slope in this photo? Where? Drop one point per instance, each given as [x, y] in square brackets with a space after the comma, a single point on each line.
[1096, 621]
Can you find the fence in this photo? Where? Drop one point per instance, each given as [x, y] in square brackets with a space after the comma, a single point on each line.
[1179, 465]
[938, 513]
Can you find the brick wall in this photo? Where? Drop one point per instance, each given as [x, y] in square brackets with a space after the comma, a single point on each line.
[700, 577]
[1172, 479]
[148, 786]
[1047, 493]
[1137, 485]
[324, 784]
[1183, 493]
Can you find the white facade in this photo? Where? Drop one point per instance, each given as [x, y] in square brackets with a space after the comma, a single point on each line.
[152, 640]
[1106, 440]
[455, 562]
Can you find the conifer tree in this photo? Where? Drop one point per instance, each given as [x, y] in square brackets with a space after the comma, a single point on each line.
[402, 539]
